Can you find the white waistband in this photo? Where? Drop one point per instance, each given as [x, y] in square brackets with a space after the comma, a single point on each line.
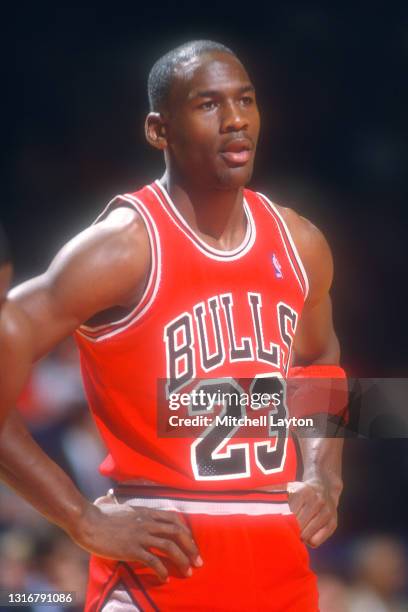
[219, 508]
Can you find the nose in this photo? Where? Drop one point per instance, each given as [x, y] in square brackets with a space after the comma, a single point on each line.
[234, 118]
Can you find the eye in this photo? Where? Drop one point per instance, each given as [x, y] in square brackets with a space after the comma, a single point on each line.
[209, 105]
[247, 100]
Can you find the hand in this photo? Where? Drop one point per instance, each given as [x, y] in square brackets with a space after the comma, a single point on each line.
[314, 502]
[119, 531]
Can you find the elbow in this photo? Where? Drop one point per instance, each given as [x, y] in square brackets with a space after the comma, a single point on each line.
[331, 353]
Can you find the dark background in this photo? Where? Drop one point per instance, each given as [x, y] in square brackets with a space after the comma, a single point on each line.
[332, 87]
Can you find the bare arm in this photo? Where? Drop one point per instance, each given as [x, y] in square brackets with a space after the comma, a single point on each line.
[14, 356]
[103, 267]
[315, 500]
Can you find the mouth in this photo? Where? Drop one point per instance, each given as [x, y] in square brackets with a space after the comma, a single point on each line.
[237, 152]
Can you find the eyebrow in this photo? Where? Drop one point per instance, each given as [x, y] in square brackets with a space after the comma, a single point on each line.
[211, 93]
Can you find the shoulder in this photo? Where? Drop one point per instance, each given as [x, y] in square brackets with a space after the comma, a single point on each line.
[105, 265]
[314, 251]
[112, 254]
[120, 233]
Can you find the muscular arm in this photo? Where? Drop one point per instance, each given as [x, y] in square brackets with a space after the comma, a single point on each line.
[105, 266]
[40, 313]
[15, 361]
[315, 500]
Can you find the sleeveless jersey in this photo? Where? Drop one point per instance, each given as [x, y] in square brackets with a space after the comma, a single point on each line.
[210, 325]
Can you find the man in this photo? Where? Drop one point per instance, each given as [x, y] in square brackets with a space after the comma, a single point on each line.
[212, 288]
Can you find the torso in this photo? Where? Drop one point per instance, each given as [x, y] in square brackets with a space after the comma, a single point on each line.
[208, 320]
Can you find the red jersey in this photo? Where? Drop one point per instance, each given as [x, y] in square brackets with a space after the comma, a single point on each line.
[209, 321]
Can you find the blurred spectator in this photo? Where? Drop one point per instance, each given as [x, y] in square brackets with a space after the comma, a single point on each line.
[16, 548]
[84, 453]
[333, 594]
[379, 565]
[55, 390]
[58, 565]
[42, 561]
[55, 409]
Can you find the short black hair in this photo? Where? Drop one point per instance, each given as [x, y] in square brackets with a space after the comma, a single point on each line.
[4, 248]
[162, 73]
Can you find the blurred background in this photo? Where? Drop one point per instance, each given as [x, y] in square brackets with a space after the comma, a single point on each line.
[333, 91]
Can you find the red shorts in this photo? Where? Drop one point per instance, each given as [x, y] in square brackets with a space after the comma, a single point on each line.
[253, 560]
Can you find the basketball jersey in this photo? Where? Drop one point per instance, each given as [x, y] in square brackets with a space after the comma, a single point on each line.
[217, 322]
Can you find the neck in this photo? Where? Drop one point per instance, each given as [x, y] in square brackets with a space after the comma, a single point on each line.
[216, 215]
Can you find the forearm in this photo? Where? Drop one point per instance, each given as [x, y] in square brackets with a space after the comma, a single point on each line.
[23, 465]
[34, 476]
[322, 461]
[321, 393]
[106, 529]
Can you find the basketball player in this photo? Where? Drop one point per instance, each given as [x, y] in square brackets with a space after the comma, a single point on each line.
[207, 285]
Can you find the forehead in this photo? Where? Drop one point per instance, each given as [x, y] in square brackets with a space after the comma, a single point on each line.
[215, 71]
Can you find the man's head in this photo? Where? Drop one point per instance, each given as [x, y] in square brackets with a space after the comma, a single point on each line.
[380, 564]
[203, 115]
[5, 267]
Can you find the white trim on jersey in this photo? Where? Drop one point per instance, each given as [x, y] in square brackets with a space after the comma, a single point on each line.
[292, 244]
[214, 508]
[120, 601]
[206, 249]
[154, 277]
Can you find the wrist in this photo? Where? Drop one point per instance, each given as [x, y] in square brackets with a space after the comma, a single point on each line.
[322, 462]
[79, 526]
[330, 481]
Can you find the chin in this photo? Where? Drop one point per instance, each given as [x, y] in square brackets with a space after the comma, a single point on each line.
[234, 178]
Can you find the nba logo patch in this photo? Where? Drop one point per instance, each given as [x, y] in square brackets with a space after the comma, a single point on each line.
[277, 266]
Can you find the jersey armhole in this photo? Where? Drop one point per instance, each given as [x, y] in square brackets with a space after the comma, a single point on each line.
[291, 250]
[97, 333]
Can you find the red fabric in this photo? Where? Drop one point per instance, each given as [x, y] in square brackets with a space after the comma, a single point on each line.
[250, 563]
[317, 371]
[121, 371]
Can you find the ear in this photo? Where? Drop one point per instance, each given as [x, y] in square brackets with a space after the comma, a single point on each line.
[156, 131]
